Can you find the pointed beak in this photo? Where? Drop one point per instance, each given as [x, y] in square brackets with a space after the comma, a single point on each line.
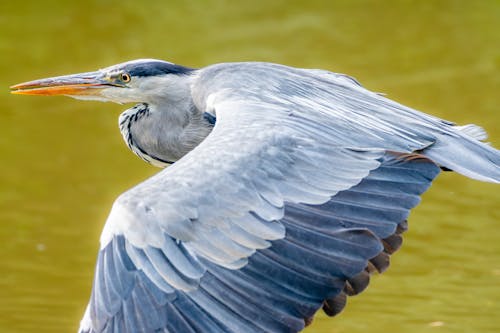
[77, 84]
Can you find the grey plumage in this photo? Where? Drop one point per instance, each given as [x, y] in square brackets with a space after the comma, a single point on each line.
[160, 139]
[290, 186]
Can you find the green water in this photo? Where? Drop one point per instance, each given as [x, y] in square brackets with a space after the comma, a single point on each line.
[63, 161]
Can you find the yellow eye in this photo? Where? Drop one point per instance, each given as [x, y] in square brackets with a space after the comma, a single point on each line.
[125, 77]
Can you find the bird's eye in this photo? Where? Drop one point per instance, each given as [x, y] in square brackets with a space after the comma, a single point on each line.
[125, 77]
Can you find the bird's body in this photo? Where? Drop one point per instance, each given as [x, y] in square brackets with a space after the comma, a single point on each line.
[287, 188]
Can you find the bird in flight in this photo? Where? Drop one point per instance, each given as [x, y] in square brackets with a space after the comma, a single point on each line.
[285, 190]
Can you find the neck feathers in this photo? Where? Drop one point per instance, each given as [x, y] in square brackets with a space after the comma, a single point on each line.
[161, 134]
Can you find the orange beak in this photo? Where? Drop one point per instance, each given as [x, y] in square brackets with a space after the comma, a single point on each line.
[78, 84]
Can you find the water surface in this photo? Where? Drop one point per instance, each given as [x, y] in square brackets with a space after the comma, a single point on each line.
[63, 161]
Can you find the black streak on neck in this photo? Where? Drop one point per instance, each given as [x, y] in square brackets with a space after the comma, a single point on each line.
[210, 118]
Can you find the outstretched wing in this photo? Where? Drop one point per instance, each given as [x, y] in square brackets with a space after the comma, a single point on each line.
[328, 252]
[281, 210]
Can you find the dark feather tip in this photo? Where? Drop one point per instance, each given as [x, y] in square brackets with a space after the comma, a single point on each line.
[370, 268]
[392, 243]
[308, 321]
[381, 262]
[402, 227]
[335, 305]
[357, 284]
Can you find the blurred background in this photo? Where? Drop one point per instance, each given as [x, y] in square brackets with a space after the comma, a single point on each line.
[63, 161]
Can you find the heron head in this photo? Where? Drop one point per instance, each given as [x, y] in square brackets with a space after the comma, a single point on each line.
[143, 80]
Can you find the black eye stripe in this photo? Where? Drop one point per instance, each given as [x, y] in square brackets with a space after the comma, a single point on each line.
[154, 68]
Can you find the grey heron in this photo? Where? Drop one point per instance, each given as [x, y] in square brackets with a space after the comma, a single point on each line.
[285, 189]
